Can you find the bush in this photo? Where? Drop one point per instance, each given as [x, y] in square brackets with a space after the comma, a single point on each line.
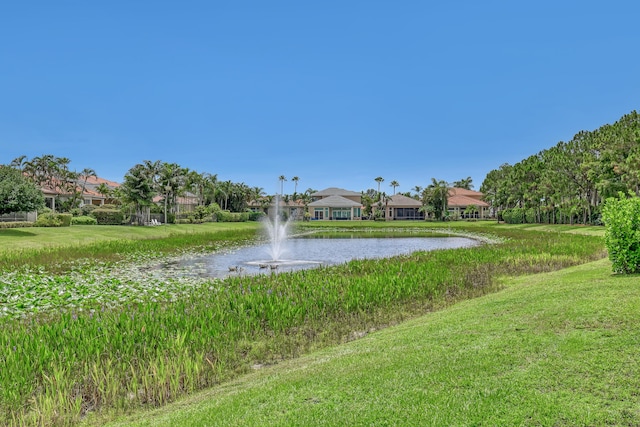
[530, 216]
[83, 220]
[622, 234]
[16, 224]
[108, 216]
[87, 209]
[66, 219]
[257, 216]
[514, 215]
[226, 216]
[202, 214]
[48, 220]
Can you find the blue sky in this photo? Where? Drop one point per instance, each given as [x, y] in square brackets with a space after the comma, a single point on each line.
[334, 92]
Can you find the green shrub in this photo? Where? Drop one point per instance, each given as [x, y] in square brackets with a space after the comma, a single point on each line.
[48, 220]
[256, 216]
[83, 220]
[514, 215]
[66, 219]
[16, 224]
[108, 216]
[204, 213]
[621, 217]
[87, 209]
[530, 216]
[226, 216]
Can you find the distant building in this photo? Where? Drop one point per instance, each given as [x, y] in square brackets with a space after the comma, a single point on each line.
[336, 204]
[460, 199]
[90, 195]
[401, 207]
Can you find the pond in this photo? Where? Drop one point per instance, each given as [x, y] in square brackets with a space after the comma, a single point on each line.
[303, 253]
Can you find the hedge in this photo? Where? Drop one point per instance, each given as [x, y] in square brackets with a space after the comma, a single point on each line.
[16, 224]
[51, 219]
[622, 233]
[108, 216]
[83, 220]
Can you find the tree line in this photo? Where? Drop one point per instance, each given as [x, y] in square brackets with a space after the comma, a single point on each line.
[567, 183]
[157, 186]
[142, 184]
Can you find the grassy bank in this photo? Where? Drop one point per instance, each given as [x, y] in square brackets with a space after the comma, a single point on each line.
[62, 366]
[51, 247]
[552, 349]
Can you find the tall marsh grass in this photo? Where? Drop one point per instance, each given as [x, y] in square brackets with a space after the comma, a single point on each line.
[59, 367]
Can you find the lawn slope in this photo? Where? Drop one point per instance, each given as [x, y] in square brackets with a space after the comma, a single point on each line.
[552, 349]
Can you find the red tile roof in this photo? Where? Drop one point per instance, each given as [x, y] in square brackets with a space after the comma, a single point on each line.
[455, 191]
[460, 201]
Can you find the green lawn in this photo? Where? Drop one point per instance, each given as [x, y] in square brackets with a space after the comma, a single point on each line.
[13, 239]
[553, 349]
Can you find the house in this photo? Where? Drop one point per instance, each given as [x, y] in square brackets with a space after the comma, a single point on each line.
[293, 209]
[401, 207]
[186, 202]
[460, 199]
[93, 187]
[335, 204]
[91, 195]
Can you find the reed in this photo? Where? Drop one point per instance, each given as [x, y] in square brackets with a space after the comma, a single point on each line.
[58, 366]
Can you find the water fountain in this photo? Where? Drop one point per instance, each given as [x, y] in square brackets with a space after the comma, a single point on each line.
[277, 231]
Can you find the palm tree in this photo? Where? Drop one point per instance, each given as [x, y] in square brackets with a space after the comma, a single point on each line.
[139, 189]
[295, 180]
[282, 179]
[195, 184]
[418, 190]
[104, 190]
[172, 179]
[379, 180]
[394, 184]
[19, 163]
[86, 173]
[257, 193]
[437, 195]
[210, 186]
[464, 183]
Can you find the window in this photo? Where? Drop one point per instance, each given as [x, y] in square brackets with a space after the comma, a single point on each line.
[341, 213]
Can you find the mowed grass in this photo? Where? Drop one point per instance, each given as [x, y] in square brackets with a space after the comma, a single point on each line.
[15, 239]
[551, 349]
[52, 247]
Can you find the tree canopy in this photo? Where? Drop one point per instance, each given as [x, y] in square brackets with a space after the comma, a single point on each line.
[568, 182]
[17, 193]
